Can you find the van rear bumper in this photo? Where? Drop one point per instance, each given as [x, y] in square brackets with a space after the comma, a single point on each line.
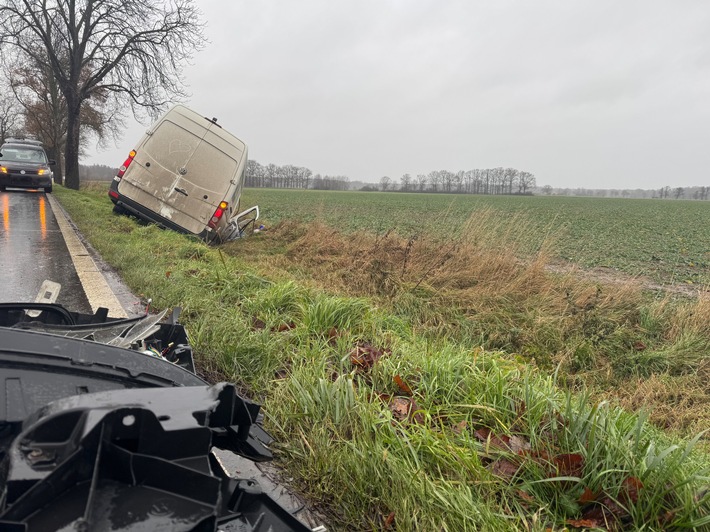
[147, 215]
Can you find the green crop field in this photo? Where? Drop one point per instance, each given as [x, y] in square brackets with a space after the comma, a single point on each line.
[667, 241]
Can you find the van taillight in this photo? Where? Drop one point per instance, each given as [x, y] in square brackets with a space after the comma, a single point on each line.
[217, 216]
[126, 164]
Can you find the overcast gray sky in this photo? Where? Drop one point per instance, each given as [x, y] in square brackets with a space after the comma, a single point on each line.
[594, 94]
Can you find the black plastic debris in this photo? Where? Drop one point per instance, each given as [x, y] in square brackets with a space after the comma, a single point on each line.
[99, 437]
[148, 334]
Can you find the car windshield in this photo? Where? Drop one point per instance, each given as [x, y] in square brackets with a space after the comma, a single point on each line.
[21, 154]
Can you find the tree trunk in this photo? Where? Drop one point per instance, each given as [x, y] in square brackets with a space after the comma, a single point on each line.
[55, 154]
[71, 153]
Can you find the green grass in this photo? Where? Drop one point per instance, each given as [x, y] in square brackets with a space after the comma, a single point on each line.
[413, 409]
[664, 240]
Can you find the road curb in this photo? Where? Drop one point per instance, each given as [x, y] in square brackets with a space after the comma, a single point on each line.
[96, 288]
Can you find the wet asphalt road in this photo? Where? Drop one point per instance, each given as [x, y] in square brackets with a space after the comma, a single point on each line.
[32, 249]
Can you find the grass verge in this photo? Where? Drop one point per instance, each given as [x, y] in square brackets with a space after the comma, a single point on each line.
[414, 387]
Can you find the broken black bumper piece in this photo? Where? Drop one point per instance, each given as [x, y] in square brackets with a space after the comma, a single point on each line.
[100, 437]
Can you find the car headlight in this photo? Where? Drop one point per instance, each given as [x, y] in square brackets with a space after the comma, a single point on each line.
[3, 170]
[43, 171]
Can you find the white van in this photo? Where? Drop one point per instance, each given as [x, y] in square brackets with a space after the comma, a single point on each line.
[186, 174]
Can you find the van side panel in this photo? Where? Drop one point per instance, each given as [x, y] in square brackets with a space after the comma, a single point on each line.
[237, 187]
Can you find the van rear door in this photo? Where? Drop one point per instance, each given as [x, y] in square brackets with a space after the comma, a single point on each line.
[211, 171]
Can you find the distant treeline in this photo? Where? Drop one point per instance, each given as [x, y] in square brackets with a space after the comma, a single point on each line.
[96, 172]
[290, 176]
[695, 192]
[487, 181]
[479, 181]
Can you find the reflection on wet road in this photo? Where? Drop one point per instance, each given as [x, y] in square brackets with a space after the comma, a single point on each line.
[32, 249]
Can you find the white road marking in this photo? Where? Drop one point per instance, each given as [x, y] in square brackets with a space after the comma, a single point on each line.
[97, 290]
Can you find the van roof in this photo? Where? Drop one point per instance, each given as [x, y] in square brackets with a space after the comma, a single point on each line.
[198, 118]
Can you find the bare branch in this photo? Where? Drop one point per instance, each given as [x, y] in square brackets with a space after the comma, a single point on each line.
[132, 50]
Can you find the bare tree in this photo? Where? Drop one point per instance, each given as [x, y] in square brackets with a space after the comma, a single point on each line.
[405, 183]
[499, 180]
[510, 176]
[131, 50]
[10, 115]
[526, 181]
[385, 183]
[421, 182]
[254, 174]
[304, 176]
[434, 180]
[459, 181]
[446, 179]
[38, 96]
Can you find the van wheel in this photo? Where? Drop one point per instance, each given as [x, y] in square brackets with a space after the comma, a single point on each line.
[2, 189]
[48, 189]
[117, 209]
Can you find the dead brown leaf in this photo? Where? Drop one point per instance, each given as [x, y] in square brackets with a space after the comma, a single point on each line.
[460, 427]
[333, 334]
[504, 468]
[364, 356]
[630, 489]
[585, 523]
[406, 409]
[538, 456]
[400, 408]
[525, 496]
[668, 517]
[281, 374]
[587, 496]
[485, 435]
[518, 444]
[515, 444]
[403, 386]
[520, 408]
[604, 514]
[569, 465]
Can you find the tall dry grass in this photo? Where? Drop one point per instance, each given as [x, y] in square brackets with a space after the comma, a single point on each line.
[486, 287]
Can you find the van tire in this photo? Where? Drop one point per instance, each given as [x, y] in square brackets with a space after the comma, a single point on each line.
[48, 190]
[117, 209]
[2, 189]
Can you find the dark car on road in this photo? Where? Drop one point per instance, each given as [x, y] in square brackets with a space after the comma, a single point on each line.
[24, 164]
